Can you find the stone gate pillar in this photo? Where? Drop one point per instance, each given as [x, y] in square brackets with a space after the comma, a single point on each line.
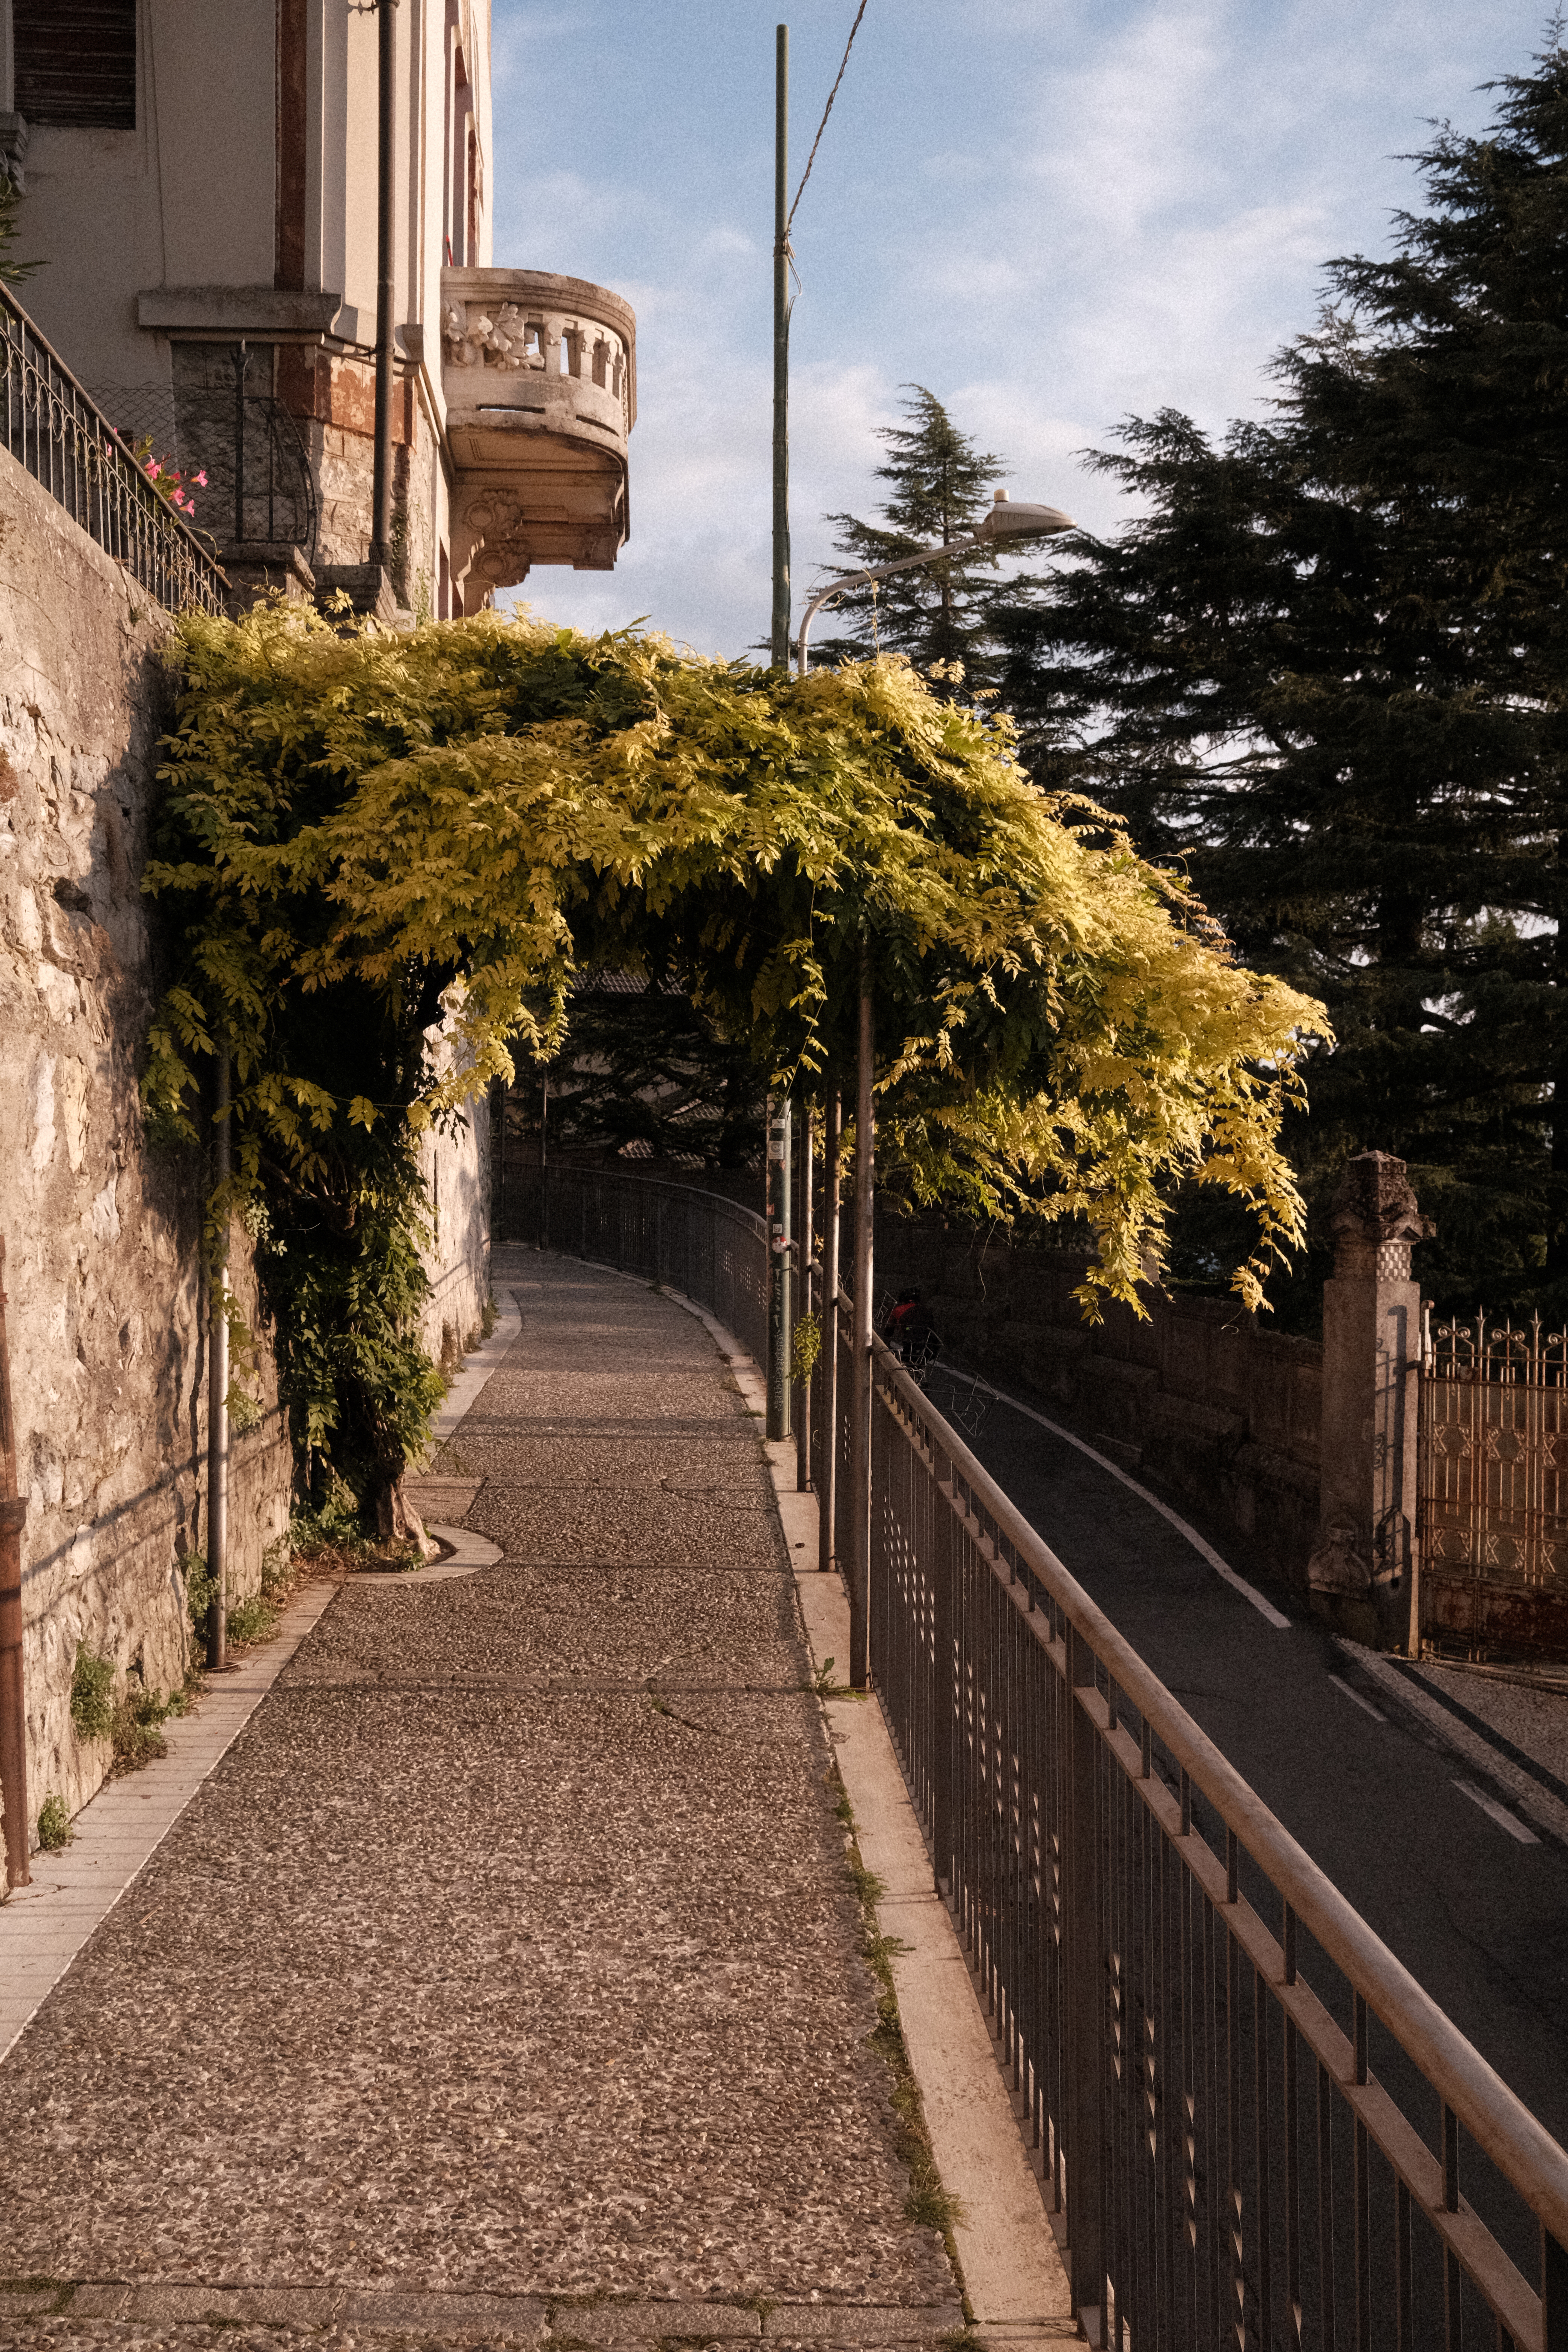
[1360, 1571]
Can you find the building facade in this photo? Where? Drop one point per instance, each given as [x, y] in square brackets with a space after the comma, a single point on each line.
[201, 184]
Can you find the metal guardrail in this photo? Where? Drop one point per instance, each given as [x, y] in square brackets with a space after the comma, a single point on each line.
[699, 1243]
[1254, 2127]
[54, 429]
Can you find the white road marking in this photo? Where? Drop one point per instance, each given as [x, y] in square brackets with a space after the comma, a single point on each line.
[1500, 1814]
[1376, 1713]
[1205, 1551]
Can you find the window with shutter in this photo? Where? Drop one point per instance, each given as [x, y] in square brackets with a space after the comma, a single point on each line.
[76, 63]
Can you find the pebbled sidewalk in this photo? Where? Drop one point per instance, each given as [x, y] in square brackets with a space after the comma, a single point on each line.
[503, 1981]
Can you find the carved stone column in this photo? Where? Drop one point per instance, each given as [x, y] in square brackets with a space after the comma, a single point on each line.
[1360, 1571]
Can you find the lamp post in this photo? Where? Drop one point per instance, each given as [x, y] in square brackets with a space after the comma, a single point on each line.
[1005, 521]
[1008, 519]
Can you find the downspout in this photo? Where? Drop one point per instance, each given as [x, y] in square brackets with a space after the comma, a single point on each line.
[381, 478]
[13, 1712]
[217, 1381]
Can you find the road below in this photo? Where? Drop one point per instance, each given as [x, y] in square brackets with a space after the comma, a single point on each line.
[1449, 1836]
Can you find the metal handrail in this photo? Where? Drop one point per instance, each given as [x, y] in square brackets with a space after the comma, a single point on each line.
[54, 429]
[1521, 2147]
[1059, 1782]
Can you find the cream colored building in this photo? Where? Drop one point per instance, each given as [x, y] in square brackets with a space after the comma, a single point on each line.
[201, 176]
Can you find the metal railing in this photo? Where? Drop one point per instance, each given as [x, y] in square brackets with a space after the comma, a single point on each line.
[699, 1243]
[1253, 2126]
[52, 427]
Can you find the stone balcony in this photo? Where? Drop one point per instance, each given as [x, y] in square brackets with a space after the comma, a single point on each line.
[540, 378]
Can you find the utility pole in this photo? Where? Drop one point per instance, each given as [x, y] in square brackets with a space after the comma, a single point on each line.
[781, 355]
[779, 1109]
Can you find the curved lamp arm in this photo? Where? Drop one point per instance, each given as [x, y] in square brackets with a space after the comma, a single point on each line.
[1004, 520]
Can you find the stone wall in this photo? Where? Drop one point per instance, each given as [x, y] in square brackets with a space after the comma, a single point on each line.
[1201, 1399]
[106, 1314]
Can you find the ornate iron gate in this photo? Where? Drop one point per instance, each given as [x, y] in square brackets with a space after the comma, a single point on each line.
[1493, 1498]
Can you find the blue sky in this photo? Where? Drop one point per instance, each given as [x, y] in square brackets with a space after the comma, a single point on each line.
[1052, 214]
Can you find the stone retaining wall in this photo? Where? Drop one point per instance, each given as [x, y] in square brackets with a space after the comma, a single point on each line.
[1202, 1398]
[106, 1313]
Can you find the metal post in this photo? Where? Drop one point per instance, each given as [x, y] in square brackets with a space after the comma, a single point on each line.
[778, 1266]
[1083, 1976]
[381, 477]
[217, 1380]
[543, 1162]
[13, 1708]
[806, 1296]
[780, 354]
[827, 1467]
[860, 1359]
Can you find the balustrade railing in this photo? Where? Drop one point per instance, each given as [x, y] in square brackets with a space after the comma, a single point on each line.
[53, 428]
[1254, 2127]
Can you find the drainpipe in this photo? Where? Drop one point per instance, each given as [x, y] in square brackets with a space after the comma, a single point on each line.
[381, 480]
[217, 1385]
[13, 1713]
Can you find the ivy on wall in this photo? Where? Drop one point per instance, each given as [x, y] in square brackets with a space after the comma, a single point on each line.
[366, 838]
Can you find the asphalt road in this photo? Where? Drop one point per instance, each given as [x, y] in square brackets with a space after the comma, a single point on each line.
[1343, 1750]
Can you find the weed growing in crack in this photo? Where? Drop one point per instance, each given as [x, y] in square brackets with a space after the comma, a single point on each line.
[92, 1694]
[929, 2205]
[54, 1830]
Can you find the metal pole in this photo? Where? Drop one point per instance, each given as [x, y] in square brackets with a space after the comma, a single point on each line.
[805, 1299]
[827, 1468]
[778, 1266]
[13, 1707]
[381, 477]
[543, 1162]
[780, 354]
[860, 1359]
[217, 1381]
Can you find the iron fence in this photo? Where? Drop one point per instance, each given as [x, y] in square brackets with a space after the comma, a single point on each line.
[1254, 2128]
[1492, 1514]
[56, 432]
[712, 1249]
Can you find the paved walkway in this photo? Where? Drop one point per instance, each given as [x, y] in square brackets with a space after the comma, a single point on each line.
[504, 1979]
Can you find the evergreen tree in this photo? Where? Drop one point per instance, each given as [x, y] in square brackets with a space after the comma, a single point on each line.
[940, 486]
[1327, 669]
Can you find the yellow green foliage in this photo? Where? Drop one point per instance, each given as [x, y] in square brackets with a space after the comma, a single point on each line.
[461, 817]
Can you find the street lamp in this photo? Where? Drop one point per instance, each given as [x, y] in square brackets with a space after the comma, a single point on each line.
[1005, 521]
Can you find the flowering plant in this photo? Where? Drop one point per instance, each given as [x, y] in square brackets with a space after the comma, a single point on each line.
[173, 487]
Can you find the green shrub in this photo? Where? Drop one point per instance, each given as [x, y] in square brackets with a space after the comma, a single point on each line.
[54, 1825]
[92, 1694]
[137, 1727]
[201, 1587]
[254, 1620]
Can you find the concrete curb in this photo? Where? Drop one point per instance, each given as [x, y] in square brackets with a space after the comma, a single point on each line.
[43, 1927]
[469, 1552]
[1016, 2283]
[476, 1368]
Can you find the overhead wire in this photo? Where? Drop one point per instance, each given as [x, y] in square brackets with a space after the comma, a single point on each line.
[827, 110]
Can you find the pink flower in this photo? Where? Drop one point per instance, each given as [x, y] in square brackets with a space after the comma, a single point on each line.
[154, 469]
[200, 481]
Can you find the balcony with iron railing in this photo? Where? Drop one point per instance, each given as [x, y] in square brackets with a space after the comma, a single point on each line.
[54, 429]
[540, 379]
